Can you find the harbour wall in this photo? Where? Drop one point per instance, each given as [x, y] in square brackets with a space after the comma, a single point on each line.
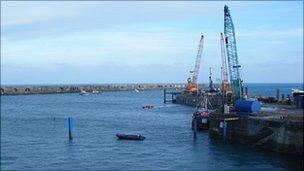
[275, 133]
[49, 89]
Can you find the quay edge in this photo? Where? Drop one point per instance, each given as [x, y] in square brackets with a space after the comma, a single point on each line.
[278, 129]
[277, 132]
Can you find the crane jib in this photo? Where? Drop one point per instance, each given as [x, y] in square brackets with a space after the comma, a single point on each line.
[233, 64]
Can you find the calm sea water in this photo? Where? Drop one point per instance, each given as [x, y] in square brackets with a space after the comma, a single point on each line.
[34, 135]
[269, 89]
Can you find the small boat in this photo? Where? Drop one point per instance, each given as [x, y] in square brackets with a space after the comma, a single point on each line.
[202, 119]
[296, 91]
[95, 92]
[148, 107]
[201, 115]
[136, 90]
[82, 92]
[130, 137]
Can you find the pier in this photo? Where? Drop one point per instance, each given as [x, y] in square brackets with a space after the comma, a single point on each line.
[173, 95]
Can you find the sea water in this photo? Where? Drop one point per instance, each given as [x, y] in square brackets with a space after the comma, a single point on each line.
[34, 135]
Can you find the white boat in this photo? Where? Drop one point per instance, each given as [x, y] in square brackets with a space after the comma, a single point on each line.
[82, 92]
[95, 92]
[296, 90]
[136, 90]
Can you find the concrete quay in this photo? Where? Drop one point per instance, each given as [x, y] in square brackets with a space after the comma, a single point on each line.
[280, 130]
[278, 127]
[49, 89]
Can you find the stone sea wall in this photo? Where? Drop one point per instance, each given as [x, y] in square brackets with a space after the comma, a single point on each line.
[47, 89]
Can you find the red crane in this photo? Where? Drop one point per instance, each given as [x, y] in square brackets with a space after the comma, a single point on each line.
[192, 81]
[225, 82]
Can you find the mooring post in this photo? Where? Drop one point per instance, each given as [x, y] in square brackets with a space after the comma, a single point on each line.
[224, 130]
[70, 122]
[278, 95]
[195, 127]
[246, 91]
[165, 95]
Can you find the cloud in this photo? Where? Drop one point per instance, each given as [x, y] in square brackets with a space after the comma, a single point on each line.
[272, 32]
[89, 48]
[136, 39]
[20, 13]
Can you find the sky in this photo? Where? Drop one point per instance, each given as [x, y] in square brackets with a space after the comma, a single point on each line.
[146, 42]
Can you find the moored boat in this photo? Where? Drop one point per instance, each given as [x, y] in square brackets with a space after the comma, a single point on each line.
[202, 119]
[82, 92]
[95, 92]
[201, 115]
[297, 91]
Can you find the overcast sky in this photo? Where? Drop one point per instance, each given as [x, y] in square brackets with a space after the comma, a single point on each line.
[146, 42]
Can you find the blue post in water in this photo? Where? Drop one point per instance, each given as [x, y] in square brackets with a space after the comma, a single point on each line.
[70, 121]
[224, 130]
[165, 94]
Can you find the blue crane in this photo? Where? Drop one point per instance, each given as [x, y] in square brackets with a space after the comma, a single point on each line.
[233, 63]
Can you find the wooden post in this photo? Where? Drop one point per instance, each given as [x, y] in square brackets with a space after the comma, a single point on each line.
[195, 127]
[70, 122]
[278, 95]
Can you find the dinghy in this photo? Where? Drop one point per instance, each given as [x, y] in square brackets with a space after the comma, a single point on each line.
[130, 137]
[148, 107]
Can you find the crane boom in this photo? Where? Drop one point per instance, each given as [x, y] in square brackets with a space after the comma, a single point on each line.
[198, 60]
[225, 82]
[233, 63]
[192, 81]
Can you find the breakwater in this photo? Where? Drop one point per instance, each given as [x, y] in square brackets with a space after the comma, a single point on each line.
[49, 89]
